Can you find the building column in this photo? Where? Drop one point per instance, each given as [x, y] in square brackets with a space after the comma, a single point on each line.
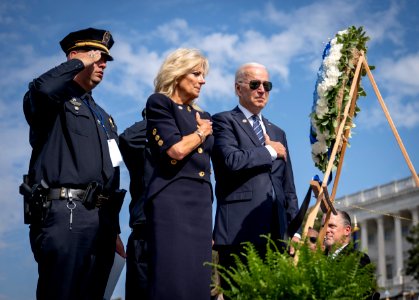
[364, 236]
[382, 271]
[414, 216]
[399, 251]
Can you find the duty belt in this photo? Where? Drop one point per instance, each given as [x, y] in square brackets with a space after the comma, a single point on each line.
[75, 194]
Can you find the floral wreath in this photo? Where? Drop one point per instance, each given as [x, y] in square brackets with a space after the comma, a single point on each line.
[331, 93]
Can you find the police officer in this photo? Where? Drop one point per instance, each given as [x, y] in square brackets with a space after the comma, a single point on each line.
[75, 156]
[135, 151]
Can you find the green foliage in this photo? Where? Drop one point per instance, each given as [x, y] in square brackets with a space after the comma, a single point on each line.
[316, 276]
[413, 260]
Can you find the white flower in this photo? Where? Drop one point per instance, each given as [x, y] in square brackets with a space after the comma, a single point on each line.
[322, 101]
[333, 72]
[314, 125]
[321, 89]
[331, 82]
[342, 32]
[316, 159]
[323, 136]
[326, 134]
[319, 148]
[321, 110]
[333, 42]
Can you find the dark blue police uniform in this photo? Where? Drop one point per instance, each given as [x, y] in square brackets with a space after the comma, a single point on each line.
[137, 157]
[74, 245]
[178, 205]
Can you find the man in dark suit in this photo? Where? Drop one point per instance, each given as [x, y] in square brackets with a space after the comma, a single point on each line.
[338, 236]
[254, 179]
[337, 241]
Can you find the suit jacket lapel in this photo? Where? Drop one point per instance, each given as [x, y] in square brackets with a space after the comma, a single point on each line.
[245, 125]
[268, 127]
[271, 131]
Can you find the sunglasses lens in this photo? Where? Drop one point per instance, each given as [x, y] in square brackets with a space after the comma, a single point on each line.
[267, 85]
[313, 239]
[254, 84]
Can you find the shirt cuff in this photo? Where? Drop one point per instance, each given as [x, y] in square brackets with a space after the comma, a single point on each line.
[272, 152]
[297, 235]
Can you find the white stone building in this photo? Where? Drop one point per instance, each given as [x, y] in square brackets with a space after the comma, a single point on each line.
[385, 214]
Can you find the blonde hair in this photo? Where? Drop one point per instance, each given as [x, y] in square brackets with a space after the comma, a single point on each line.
[176, 65]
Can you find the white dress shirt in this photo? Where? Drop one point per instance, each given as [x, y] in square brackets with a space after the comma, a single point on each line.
[248, 116]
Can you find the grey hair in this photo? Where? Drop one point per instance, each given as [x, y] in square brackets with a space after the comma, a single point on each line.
[242, 70]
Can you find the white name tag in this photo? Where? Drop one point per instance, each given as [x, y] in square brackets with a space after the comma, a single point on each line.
[116, 157]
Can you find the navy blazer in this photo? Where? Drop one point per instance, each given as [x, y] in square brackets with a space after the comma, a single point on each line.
[364, 260]
[167, 122]
[245, 175]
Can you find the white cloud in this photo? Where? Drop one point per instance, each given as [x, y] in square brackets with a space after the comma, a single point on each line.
[397, 82]
[173, 31]
[400, 76]
[405, 114]
[132, 71]
[25, 65]
[220, 47]
[219, 85]
[384, 25]
[14, 163]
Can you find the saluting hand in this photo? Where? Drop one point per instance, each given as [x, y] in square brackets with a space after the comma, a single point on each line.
[280, 150]
[88, 58]
[204, 125]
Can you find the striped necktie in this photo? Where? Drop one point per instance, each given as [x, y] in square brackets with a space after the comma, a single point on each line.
[257, 127]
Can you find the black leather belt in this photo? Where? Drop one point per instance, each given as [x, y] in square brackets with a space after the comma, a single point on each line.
[75, 194]
[66, 193]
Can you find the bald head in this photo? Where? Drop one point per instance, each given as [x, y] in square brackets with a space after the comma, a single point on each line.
[252, 86]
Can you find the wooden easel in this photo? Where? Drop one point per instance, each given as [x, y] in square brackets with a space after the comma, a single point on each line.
[320, 191]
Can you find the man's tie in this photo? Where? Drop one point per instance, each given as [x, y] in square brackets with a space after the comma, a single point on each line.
[258, 129]
[107, 167]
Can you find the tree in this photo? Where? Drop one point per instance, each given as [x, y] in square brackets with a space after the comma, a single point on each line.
[413, 260]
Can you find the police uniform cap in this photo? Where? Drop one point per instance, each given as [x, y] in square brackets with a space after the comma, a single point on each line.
[88, 39]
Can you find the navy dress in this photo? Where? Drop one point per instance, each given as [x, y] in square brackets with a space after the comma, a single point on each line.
[178, 205]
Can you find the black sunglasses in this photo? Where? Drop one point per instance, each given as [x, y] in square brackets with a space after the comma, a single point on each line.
[313, 239]
[255, 84]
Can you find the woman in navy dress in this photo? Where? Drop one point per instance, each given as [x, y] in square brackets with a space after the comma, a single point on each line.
[179, 196]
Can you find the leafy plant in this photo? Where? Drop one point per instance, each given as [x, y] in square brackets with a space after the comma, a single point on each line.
[316, 276]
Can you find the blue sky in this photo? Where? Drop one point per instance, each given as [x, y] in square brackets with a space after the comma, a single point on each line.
[287, 36]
